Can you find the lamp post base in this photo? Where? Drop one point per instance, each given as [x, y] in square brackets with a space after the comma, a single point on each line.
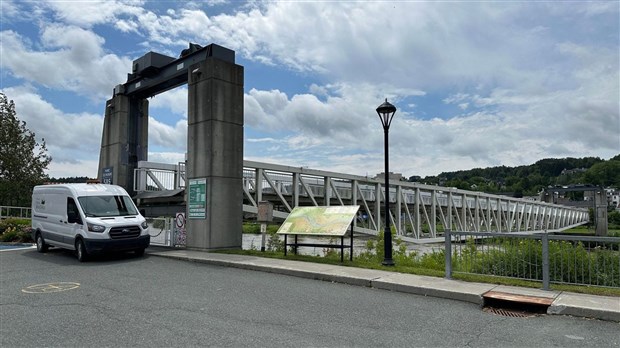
[388, 262]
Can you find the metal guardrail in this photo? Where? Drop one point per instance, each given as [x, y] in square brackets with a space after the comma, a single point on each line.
[15, 212]
[164, 232]
[544, 257]
[151, 176]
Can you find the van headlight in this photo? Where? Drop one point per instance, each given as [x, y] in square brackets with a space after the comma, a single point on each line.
[144, 225]
[96, 228]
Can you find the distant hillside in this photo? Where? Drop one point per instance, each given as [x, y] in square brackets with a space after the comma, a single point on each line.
[529, 180]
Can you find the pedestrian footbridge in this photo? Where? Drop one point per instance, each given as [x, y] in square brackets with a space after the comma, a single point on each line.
[416, 210]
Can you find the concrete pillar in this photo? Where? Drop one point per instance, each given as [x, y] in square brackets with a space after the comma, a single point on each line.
[215, 153]
[600, 212]
[124, 141]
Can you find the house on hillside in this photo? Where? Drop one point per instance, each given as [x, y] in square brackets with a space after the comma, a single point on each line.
[613, 197]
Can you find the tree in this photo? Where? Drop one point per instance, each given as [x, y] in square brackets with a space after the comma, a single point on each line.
[604, 174]
[23, 160]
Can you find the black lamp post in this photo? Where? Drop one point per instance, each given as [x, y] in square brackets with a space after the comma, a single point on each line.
[386, 112]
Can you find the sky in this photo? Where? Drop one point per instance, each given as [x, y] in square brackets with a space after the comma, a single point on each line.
[476, 83]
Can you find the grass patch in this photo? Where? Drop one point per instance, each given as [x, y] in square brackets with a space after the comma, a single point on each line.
[431, 264]
[612, 231]
[254, 228]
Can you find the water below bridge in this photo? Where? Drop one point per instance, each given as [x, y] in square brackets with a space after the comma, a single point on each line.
[253, 241]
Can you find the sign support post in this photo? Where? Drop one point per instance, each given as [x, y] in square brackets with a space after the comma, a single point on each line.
[265, 215]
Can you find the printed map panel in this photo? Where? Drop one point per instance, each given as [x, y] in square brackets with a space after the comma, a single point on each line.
[328, 221]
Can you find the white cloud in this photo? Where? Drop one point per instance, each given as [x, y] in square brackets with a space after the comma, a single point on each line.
[167, 157]
[64, 133]
[528, 80]
[9, 9]
[87, 168]
[168, 137]
[93, 12]
[72, 59]
[73, 140]
[263, 140]
[174, 100]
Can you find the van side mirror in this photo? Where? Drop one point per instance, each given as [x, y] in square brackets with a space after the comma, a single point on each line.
[74, 218]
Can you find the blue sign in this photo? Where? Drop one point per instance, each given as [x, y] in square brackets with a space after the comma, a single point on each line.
[106, 175]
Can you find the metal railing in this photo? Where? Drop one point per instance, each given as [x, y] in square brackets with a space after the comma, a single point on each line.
[150, 176]
[164, 232]
[15, 212]
[544, 257]
[416, 210]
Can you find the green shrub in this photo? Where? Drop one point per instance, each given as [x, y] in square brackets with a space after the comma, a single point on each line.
[13, 222]
[254, 228]
[375, 252]
[568, 262]
[15, 230]
[15, 235]
[435, 260]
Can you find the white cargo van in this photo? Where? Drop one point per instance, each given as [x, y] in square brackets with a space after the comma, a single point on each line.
[87, 218]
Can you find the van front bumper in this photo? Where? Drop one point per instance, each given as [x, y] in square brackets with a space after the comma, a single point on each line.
[94, 246]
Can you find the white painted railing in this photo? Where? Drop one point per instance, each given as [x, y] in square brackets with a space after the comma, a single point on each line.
[416, 210]
[14, 212]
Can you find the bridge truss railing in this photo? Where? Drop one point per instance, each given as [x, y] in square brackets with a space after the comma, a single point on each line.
[151, 176]
[416, 210]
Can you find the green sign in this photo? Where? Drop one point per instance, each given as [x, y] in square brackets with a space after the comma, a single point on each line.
[197, 198]
[329, 221]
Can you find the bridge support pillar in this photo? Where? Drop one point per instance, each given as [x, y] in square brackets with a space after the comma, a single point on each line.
[600, 211]
[215, 154]
[124, 141]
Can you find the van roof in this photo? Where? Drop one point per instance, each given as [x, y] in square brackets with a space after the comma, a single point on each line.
[87, 189]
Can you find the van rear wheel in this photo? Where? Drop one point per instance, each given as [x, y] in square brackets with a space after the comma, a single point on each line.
[80, 250]
[41, 246]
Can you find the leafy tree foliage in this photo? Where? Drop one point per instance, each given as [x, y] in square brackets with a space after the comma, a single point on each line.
[603, 174]
[23, 159]
[529, 180]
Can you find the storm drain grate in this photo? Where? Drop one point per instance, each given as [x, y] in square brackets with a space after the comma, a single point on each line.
[516, 306]
[509, 312]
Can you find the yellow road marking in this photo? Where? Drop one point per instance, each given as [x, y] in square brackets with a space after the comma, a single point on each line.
[50, 287]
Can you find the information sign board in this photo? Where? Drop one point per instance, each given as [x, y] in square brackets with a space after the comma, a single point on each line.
[328, 221]
[197, 198]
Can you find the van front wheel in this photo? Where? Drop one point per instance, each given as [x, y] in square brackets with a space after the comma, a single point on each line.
[80, 250]
[41, 246]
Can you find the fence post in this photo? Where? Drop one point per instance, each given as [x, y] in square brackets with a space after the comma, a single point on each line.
[545, 260]
[448, 252]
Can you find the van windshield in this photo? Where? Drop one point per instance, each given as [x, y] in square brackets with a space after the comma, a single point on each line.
[102, 206]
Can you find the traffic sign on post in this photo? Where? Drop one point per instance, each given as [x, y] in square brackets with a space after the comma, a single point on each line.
[265, 215]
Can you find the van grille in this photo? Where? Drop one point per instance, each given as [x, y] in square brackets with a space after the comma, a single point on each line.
[125, 232]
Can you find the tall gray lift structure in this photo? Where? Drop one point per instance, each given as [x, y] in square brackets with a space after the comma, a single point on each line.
[214, 166]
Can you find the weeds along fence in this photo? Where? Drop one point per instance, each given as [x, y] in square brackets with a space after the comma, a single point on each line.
[544, 257]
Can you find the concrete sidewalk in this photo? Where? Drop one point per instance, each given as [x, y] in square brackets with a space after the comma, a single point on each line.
[563, 303]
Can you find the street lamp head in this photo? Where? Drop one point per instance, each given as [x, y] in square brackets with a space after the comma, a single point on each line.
[386, 112]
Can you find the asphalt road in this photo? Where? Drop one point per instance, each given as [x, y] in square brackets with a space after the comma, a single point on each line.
[123, 301]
